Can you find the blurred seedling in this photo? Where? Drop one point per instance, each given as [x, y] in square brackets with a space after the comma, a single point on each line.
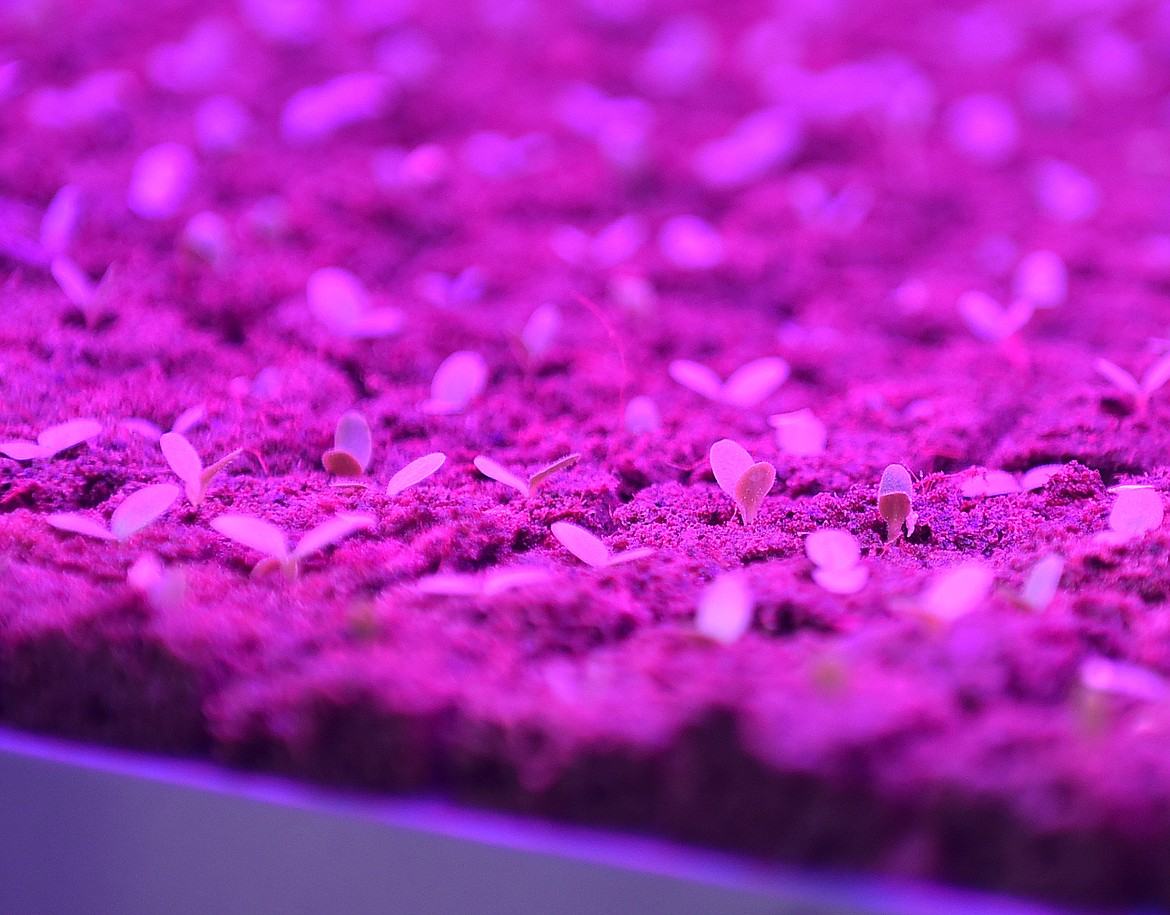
[415, 472]
[352, 447]
[895, 502]
[497, 581]
[163, 587]
[184, 423]
[1137, 511]
[136, 511]
[444, 291]
[526, 488]
[52, 441]
[1138, 391]
[1042, 279]
[836, 557]
[59, 223]
[541, 331]
[642, 416]
[1122, 679]
[88, 297]
[954, 592]
[611, 246]
[590, 549]
[987, 483]
[991, 322]
[745, 480]
[1041, 584]
[188, 466]
[800, 434]
[266, 538]
[745, 387]
[726, 608]
[459, 380]
[338, 300]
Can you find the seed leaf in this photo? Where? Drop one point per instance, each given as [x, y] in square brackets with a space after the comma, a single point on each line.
[460, 379]
[726, 608]
[831, 548]
[79, 524]
[141, 508]
[255, 533]
[184, 460]
[1117, 376]
[754, 382]
[331, 531]
[582, 544]
[65, 435]
[415, 472]
[563, 463]
[697, 378]
[352, 437]
[751, 488]
[494, 471]
[729, 461]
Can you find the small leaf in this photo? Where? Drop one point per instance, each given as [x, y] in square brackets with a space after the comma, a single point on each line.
[729, 462]
[541, 330]
[582, 544]
[79, 289]
[415, 472]
[832, 548]
[141, 508]
[755, 381]
[79, 524]
[726, 608]
[800, 433]
[697, 378]
[842, 581]
[60, 221]
[494, 471]
[1156, 375]
[989, 483]
[341, 464]
[956, 591]
[556, 466]
[1038, 477]
[1042, 581]
[460, 379]
[210, 473]
[1119, 678]
[336, 297]
[629, 555]
[330, 532]
[1117, 376]
[352, 436]
[500, 580]
[23, 451]
[1138, 509]
[752, 487]
[189, 419]
[255, 533]
[183, 458]
[56, 439]
[143, 427]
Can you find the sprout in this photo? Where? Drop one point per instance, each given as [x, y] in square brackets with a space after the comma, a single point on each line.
[163, 587]
[184, 423]
[188, 467]
[895, 498]
[617, 242]
[494, 471]
[837, 557]
[1041, 278]
[541, 331]
[747, 482]
[800, 433]
[1042, 581]
[990, 321]
[1154, 378]
[642, 416]
[691, 243]
[590, 549]
[460, 379]
[352, 448]
[1138, 510]
[726, 608]
[160, 181]
[53, 440]
[986, 482]
[137, 511]
[445, 291]
[339, 301]
[60, 222]
[494, 582]
[956, 592]
[268, 539]
[1118, 678]
[746, 387]
[415, 472]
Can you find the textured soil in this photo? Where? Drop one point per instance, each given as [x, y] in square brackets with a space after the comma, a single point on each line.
[840, 730]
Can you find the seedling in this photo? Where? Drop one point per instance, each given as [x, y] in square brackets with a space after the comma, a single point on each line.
[464, 288]
[163, 587]
[800, 433]
[82, 292]
[494, 582]
[691, 243]
[642, 416]
[526, 488]
[188, 466]
[268, 539]
[59, 223]
[955, 592]
[1140, 391]
[460, 379]
[1137, 511]
[1042, 279]
[895, 501]
[352, 447]
[745, 480]
[590, 549]
[747, 386]
[541, 331]
[184, 423]
[836, 556]
[160, 180]
[338, 300]
[988, 483]
[137, 511]
[726, 608]
[990, 321]
[617, 242]
[415, 472]
[52, 441]
[1123, 680]
[1042, 582]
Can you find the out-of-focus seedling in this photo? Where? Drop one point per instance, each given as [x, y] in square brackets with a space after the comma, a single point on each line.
[444, 291]
[161, 180]
[1042, 279]
[1122, 680]
[137, 511]
[1042, 582]
[1137, 511]
[52, 441]
[745, 387]
[990, 321]
[315, 112]
[82, 292]
[617, 242]
[490, 584]
[352, 447]
[955, 592]
[266, 538]
[986, 483]
[163, 587]
[590, 549]
[745, 480]
[415, 472]
[59, 223]
[1139, 391]
[526, 488]
[800, 434]
[184, 423]
[691, 243]
[836, 556]
[895, 502]
[642, 416]
[188, 466]
[338, 300]
[726, 608]
[460, 379]
[541, 331]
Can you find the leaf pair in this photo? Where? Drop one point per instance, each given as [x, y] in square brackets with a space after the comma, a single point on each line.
[745, 480]
[52, 441]
[1154, 378]
[745, 387]
[353, 448]
[989, 320]
[137, 511]
[267, 538]
[590, 549]
[338, 300]
[836, 556]
[615, 243]
[188, 467]
[184, 423]
[526, 488]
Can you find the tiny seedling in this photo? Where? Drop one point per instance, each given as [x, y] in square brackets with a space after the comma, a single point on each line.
[137, 511]
[188, 466]
[82, 292]
[800, 433]
[184, 423]
[989, 320]
[590, 549]
[163, 587]
[526, 488]
[895, 501]
[726, 608]
[836, 556]
[338, 300]
[955, 592]
[747, 386]
[268, 539]
[1042, 582]
[460, 379]
[745, 480]
[1140, 391]
[541, 331]
[415, 472]
[445, 291]
[352, 447]
[490, 584]
[615, 243]
[987, 483]
[642, 416]
[52, 441]
[1137, 511]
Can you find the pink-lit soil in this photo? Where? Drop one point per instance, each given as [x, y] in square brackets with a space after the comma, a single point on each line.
[844, 731]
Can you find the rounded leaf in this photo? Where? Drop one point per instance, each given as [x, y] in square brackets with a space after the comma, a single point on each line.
[255, 533]
[79, 524]
[65, 435]
[141, 508]
[842, 581]
[336, 297]
[751, 488]
[729, 461]
[541, 330]
[832, 548]
[494, 471]
[79, 289]
[582, 544]
[642, 416]
[1138, 509]
[1042, 581]
[330, 532]
[800, 433]
[460, 379]
[754, 382]
[415, 472]
[957, 591]
[23, 451]
[182, 457]
[352, 436]
[697, 378]
[189, 419]
[726, 608]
